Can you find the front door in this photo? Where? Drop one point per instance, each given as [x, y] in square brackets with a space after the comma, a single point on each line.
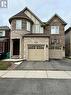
[16, 46]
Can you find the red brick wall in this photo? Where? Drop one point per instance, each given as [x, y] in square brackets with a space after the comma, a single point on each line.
[60, 37]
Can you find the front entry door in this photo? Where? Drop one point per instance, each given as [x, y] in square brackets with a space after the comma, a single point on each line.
[16, 46]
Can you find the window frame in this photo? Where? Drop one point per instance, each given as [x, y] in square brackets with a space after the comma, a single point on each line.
[54, 29]
[24, 24]
[37, 28]
[3, 33]
[28, 26]
[18, 25]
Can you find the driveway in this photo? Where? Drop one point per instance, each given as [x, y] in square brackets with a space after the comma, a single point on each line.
[35, 87]
[62, 65]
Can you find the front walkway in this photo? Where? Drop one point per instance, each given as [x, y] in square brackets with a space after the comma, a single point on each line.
[36, 74]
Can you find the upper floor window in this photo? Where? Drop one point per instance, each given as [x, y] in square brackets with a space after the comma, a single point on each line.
[36, 28]
[54, 29]
[23, 24]
[18, 24]
[2, 33]
[28, 26]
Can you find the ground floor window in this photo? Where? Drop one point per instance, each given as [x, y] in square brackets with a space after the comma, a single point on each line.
[35, 46]
[55, 47]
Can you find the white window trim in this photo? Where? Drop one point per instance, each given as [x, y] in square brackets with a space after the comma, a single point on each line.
[54, 29]
[3, 33]
[28, 26]
[36, 28]
[20, 24]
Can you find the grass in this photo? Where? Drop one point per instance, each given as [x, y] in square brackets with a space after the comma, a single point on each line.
[4, 65]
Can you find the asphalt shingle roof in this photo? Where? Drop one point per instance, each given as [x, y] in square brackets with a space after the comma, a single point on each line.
[4, 28]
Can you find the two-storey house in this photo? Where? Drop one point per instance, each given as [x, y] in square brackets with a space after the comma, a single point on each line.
[31, 39]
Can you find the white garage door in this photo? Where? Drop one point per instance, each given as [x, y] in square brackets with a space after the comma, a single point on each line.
[36, 52]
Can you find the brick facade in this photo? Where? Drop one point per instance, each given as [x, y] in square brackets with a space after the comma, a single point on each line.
[55, 21]
[60, 37]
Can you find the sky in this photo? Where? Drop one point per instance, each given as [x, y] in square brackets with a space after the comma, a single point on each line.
[44, 9]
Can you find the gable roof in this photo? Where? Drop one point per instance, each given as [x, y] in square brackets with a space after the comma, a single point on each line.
[21, 14]
[68, 30]
[63, 22]
[26, 8]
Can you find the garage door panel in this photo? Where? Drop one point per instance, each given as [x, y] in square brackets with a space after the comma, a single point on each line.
[36, 54]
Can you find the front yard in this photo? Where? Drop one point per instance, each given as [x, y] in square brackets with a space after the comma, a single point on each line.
[4, 65]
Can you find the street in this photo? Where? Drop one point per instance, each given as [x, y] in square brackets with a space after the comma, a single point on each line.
[35, 87]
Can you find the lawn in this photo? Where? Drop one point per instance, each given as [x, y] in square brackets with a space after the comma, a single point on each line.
[4, 65]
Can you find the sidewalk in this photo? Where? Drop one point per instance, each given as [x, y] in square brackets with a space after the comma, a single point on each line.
[36, 74]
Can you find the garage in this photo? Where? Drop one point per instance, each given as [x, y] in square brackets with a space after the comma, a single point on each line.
[36, 52]
[36, 48]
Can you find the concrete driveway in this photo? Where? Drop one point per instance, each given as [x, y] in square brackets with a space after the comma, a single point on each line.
[61, 65]
[35, 87]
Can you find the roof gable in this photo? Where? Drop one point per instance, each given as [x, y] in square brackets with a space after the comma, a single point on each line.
[62, 21]
[21, 14]
[26, 8]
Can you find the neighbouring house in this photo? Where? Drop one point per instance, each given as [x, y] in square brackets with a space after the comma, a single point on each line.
[68, 42]
[4, 39]
[34, 40]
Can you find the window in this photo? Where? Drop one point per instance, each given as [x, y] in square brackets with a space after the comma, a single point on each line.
[18, 24]
[23, 24]
[37, 28]
[35, 46]
[54, 41]
[55, 47]
[28, 26]
[2, 33]
[54, 29]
